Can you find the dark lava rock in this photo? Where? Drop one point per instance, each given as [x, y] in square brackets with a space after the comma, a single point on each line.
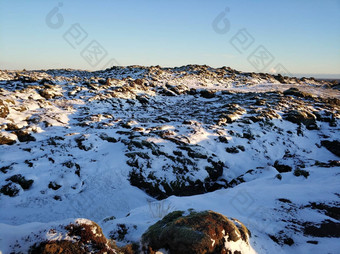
[280, 78]
[331, 210]
[54, 186]
[282, 239]
[232, 150]
[284, 200]
[80, 142]
[282, 168]
[24, 136]
[301, 117]
[10, 189]
[216, 170]
[208, 94]
[143, 99]
[332, 146]
[107, 138]
[312, 242]
[325, 116]
[260, 102]
[138, 180]
[197, 155]
[301, 172]
[327, 228]
[6, 168]
[198, 232]
[21, 180]
[296, 92]
[163, 189]
[329, 164]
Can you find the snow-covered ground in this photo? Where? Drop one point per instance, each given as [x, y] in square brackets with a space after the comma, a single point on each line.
[126, 146]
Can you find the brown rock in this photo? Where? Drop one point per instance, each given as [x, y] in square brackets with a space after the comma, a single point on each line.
[301, 117]
[7, 138]
[4, 110]
[84, 238]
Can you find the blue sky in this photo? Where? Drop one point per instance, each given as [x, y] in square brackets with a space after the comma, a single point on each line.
[303, 36]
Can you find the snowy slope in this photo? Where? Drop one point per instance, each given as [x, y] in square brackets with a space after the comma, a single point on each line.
[106, 145]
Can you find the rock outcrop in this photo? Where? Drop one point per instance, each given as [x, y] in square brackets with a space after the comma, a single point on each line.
[198, 232]
[83, 236]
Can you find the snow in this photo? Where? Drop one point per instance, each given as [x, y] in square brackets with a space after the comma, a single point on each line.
[103, 190]
[254, 204]
[23, 236]
[239, 245]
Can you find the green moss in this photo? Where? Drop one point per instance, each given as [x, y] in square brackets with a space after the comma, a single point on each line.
[154, 231]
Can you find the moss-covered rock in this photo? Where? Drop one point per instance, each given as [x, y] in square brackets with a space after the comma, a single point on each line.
[198, 232]
[82, 237]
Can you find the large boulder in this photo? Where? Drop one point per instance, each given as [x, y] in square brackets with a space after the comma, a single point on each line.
[296, 92]
[198, 232]
[301, 117]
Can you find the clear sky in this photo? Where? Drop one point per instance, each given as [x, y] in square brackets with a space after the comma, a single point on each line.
[301, 35]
